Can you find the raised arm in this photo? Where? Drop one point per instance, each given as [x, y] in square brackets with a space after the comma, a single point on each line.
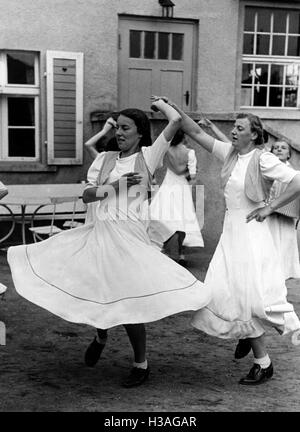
[174, 118]
[154, 154]
[219, 134]
[91, 143]
[193, 130]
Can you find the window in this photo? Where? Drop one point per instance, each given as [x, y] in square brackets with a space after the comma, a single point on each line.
[19, 106]
[271, 58]
[156, 45]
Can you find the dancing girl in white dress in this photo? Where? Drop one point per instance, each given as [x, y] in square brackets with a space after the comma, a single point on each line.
[283, 221]
[245, 274]
[107, 273]
[173, 220]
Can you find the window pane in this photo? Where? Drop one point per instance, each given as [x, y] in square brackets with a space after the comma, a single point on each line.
[248, 44]
[247, 73]
[263, 20]
[20, 68]
[249, 19]
[261, 73]
[260, 95]
[177, 46]
[246, 96]
[135, 44]
[280, 17]
[263, 44]
[20, 111]
[149, 49]
[290, 99]
[294, 26]
[163, 45]
[276, 74]
[292, 75]
[278, 45]
[275, 96]
[293, 46]
[21, 142]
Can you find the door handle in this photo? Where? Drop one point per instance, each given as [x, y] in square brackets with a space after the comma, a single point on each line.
[187, 97]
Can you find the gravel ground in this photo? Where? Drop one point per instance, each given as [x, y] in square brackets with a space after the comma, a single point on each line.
[42, 369]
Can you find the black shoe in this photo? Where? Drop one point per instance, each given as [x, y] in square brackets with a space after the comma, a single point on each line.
[242, 349]
[93, 353]
[136, 377]
[257, 375]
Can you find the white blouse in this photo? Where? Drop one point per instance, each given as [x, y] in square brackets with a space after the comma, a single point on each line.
[153, 156]
[271, 168]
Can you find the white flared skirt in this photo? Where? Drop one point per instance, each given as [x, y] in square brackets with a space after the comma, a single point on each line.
[172, 209]
[247, 283]
[285, 238]
[104, 274]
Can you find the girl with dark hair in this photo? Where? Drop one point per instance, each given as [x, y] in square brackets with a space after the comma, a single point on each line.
[107, 273]
[245, 274]
[173, 218]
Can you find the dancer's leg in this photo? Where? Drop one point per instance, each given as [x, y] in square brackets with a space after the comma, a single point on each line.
[262, 369]
[94, 350]
[140, 371]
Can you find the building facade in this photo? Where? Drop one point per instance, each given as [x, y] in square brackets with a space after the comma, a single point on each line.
[65, 64]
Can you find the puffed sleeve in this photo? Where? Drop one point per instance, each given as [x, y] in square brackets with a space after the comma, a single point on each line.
[273, 169]
[93, 171]
[154, 154]
[221, 149]
[192, 162]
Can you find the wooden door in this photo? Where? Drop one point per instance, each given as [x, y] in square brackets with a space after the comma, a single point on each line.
[155, 57]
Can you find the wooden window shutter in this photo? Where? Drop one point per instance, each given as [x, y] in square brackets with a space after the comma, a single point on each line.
[64, 107]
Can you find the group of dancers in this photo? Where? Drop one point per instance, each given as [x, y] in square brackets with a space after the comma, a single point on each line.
[108, 272]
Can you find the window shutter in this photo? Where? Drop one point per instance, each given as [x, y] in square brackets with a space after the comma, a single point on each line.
[64, 107]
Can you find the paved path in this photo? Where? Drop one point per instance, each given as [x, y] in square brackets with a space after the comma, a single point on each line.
[42, 369]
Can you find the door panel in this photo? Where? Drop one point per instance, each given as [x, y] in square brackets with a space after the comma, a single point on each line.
[155, 57]
[171, 84]
[139, 87]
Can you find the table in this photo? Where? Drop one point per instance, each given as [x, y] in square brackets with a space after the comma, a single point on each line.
[23, 200]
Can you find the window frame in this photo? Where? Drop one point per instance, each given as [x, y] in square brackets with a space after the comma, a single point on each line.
[17, 90]
[266, 59]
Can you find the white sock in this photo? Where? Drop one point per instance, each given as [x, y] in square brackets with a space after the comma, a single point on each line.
[263, 362]
[142, 365]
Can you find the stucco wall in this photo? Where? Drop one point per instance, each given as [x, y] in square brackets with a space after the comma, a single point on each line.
[91, 27]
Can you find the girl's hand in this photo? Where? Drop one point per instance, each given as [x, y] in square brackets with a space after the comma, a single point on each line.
[259, 214]
[127, 180]
[133, 178]
[111, 122]
[205, 122]
[157, 101]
